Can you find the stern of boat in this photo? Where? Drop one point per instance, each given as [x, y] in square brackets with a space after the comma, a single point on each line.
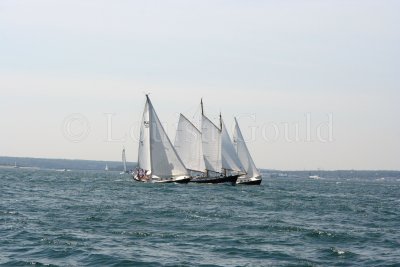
[242, 180]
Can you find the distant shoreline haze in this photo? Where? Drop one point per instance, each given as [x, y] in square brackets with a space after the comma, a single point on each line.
[97, 165]
[71, 164]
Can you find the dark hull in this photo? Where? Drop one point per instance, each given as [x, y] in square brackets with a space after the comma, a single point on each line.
[180, 181]
[166, 181]
[216, 180]
[250, 182]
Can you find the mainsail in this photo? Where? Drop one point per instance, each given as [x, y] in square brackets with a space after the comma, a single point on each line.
[230, 160]
[244, 154]
[144, 160]
[188, 144]
[211, 139]
[156, 152]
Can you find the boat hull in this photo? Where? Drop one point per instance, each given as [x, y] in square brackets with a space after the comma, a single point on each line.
[216, 180]
[249, 182]
[243, 180]
[179, 180]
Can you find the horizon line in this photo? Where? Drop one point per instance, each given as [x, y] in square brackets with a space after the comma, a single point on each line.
[270, 169]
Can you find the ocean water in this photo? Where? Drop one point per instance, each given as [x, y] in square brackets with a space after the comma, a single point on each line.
[106, 219]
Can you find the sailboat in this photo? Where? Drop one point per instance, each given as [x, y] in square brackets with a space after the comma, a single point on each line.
[213, 148]
[106, 168]
[124, 162]
[158, 161]
[252, 176]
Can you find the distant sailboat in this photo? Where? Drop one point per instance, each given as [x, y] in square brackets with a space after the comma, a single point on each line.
[124, 162]
[158, 161]
[252, 176]
[15, 165]
[106, 168]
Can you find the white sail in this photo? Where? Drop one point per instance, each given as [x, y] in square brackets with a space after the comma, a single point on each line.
[144, 160]
[124, 159]
[211, 139]
[230, 159]
[188, 144]
[244, 154]
[164, 161]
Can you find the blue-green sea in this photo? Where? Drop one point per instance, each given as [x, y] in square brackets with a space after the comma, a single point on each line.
[81, 218]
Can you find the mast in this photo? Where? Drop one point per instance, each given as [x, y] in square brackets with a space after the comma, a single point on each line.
[220, 121]
[220, 127]
[150, 132]
[202, 113]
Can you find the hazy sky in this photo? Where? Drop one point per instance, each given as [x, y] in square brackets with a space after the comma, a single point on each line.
[329, 69]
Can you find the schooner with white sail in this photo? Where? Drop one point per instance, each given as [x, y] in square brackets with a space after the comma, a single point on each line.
[204, 152]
